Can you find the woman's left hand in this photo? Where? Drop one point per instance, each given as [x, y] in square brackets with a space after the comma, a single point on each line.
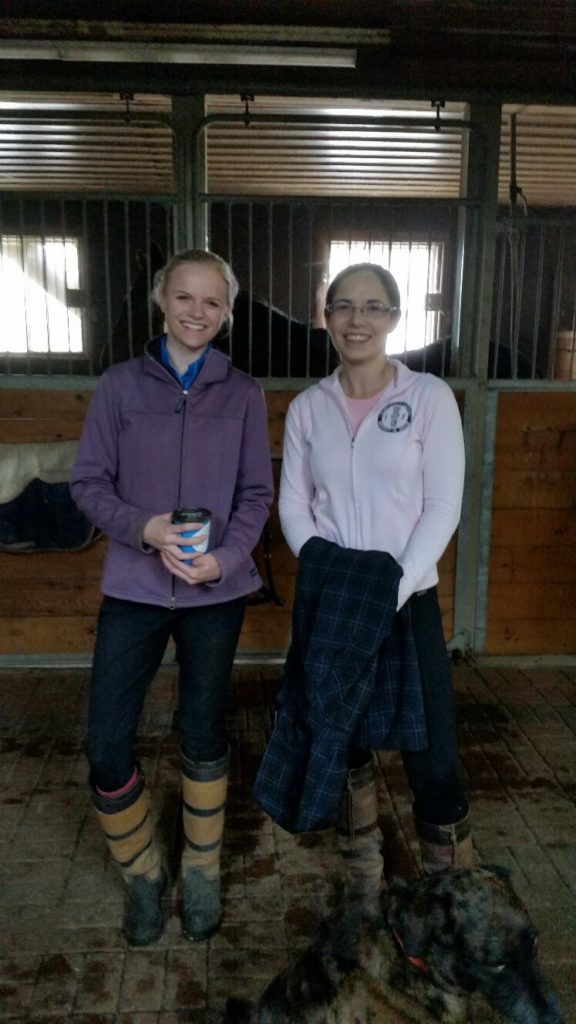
[203, 568]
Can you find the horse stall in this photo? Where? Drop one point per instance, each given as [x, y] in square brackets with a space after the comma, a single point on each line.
[490, 304]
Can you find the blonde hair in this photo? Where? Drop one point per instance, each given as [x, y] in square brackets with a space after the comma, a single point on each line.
[162, 276]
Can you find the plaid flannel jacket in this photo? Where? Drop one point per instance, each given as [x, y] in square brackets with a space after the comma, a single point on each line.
[351, 679]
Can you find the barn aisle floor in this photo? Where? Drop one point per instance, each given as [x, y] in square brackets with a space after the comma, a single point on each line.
[63, 957]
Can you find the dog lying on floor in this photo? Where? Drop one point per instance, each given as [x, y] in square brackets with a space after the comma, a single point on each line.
[431, 944]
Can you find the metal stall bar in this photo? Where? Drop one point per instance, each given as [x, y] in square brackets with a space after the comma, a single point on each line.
[290, 249]
[26, 310]
[538, 303]
[63, 240]
[310, 287]
[85, 278]
[473, 304]
[127, 283]
[44, 280]
[190, 123]
[485, 519]
[107, 281]
[279, 246]
[270, 243]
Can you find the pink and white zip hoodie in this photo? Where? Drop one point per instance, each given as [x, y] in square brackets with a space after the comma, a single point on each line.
[395, 485]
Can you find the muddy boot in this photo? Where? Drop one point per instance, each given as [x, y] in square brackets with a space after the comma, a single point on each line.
[359, 837]
[204, 787]
[125, 821]
[445, 846]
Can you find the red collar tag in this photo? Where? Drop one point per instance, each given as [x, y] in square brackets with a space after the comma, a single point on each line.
[415, 961]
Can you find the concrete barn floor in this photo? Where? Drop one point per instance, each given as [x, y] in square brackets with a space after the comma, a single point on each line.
[63, 957]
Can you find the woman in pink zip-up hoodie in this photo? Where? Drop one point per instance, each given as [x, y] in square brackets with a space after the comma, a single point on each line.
[374, 460]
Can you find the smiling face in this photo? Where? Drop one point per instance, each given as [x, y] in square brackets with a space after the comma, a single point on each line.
[359, 335]
[194, 301]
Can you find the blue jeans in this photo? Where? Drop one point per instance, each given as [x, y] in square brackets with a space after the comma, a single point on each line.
[130, 643]
[434, 774]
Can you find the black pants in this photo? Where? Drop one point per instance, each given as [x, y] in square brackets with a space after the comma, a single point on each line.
[434, 774]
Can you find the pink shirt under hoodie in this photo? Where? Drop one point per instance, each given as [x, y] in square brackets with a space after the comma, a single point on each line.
[395, 485]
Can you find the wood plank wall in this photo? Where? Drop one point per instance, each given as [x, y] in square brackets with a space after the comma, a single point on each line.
[48, 601]
[532, 567]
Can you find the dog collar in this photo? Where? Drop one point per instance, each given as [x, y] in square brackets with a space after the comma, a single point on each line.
[415, 961]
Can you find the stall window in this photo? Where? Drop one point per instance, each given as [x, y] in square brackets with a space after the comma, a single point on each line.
[40, 295]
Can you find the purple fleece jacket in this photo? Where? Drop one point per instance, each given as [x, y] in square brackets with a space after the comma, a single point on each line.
[149, 447]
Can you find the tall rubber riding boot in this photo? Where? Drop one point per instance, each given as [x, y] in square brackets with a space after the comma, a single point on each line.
[359, 837]
[445, 846]
[204, 787]
[125, 821]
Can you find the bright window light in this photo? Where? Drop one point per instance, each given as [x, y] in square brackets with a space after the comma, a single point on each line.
[417, 267]
[36, 276]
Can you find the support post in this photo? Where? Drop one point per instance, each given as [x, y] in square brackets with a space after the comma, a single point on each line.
[472, 319]
[190, 171]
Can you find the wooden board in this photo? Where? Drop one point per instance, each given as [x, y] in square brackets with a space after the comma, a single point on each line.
[532, 560]
[532, 564]
[530, 636]
[49, 600]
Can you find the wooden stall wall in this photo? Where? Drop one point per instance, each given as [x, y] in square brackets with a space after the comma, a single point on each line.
[49, 600]
[532, 569]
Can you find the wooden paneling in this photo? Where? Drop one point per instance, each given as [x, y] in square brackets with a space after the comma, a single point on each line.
[537, 488]
[277, 403]
[536, 413]
[532, 568]
[41, 404]
[550, 450]
[512, 635]
[56, 633]
[49, 600]
[522, 527]
[527, 563]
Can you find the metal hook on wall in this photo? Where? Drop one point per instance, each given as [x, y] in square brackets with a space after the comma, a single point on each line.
[515, 191]
[247, 99]
[127, 97]
[438, 105]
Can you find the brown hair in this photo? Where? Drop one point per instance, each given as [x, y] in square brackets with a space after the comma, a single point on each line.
[387, 280]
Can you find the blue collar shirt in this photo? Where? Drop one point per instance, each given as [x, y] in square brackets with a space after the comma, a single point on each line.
[187, 378]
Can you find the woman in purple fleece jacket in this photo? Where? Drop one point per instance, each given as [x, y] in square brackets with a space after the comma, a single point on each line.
[176, 427]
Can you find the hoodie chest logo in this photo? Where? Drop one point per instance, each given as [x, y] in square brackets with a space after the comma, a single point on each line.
[394, 417]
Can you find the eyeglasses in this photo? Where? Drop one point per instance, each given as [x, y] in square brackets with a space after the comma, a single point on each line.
[371, 310]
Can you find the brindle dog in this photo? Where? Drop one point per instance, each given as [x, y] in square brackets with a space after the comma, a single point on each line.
[430, 945]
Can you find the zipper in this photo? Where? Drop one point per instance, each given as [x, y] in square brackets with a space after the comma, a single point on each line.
[180, 410]
[352, 484]
[181, 401]
[342, 410]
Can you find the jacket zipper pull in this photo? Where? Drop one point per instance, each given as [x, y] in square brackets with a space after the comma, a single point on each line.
[181, 401]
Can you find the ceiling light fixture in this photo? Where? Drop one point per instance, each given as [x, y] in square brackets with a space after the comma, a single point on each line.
[178, 53]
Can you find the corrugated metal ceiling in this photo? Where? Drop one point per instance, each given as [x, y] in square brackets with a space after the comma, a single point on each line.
[69, 143]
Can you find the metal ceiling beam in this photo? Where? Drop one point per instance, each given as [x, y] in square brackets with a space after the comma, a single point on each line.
[378, 75]
[405, 48]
